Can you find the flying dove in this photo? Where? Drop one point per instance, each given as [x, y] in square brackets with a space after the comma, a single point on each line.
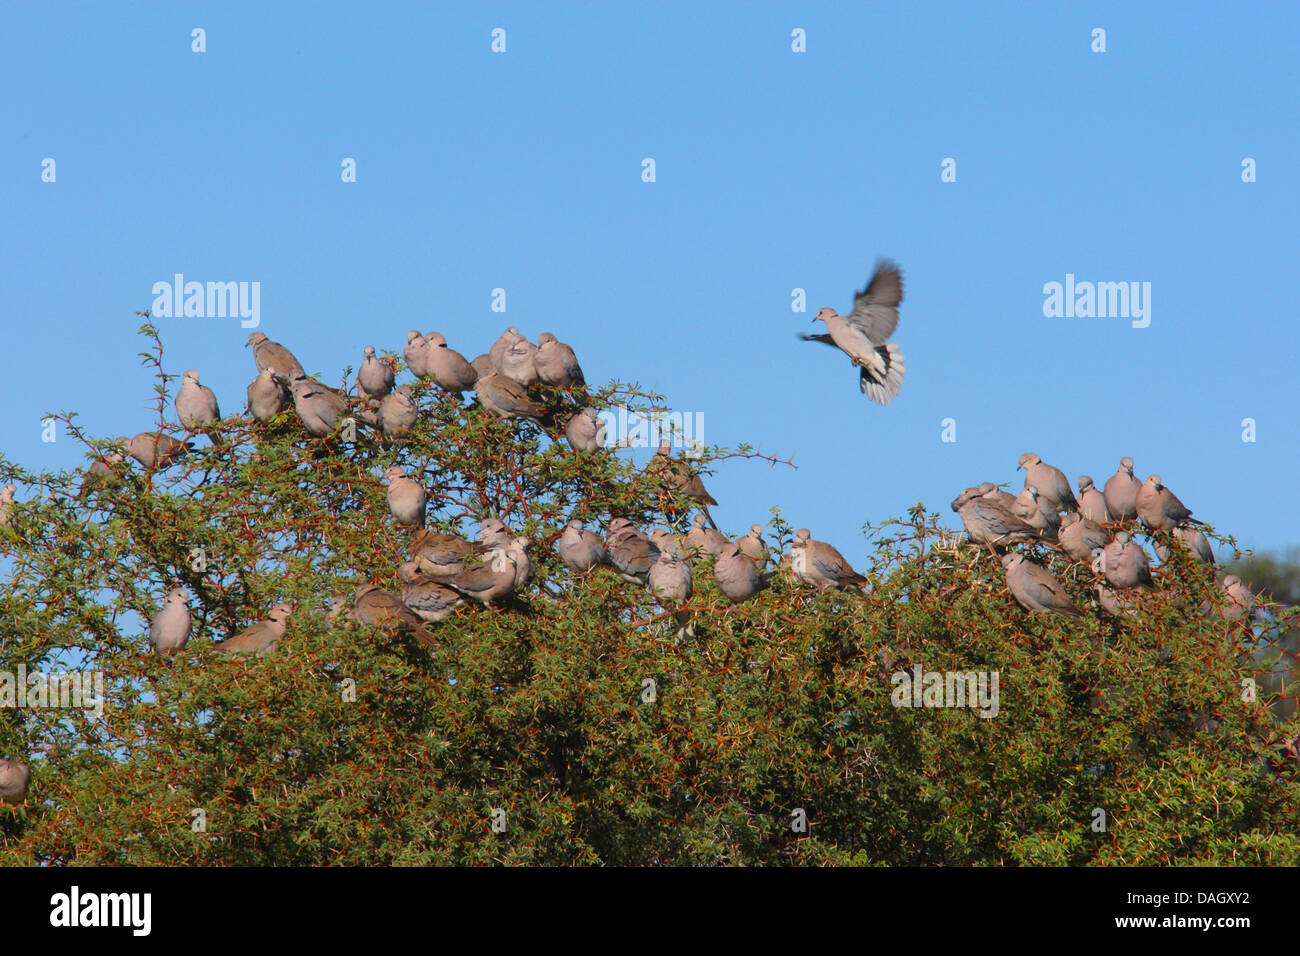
[507, 399]
[556, 363]
[1124, 563]
[416, 354]
[1092, 503]
[1241, 600]
[580, 550]
[701, 538]
[1037, 513]
[681, 478]
[1035, 588]
[447, 366]
[406, 498]
[196, 405]
[7, 504]
[1080, 536]
[155, 450]
[989, 522]
[430, 600]
[736, 574]
[630, 552]
[398, 412]
[267, 395]
[586, 431]
[1053, 487]
[820, 565]
[169, 630]
[753, 546]
[273, 355]
[384, 609]
[486, 582]
[1158, 507]
[1121, 492]
[499, 347]
[519, 362]
[321, 408]
[375, 377]
[260, 638]
[15, 777]
[862, 333]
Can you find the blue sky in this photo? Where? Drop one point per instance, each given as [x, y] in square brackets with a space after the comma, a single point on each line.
[775, 170]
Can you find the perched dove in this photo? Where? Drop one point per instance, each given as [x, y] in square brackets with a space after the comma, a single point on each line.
[990, 522]
[737, 575]
[631, 553]
[586, 431]
[579, 549]
[483, 365]
[487, 582]
[507, 399]
[492, 533]
[15, 777]
[426, 597]
[1194, 540]
[820, 565]
[556, 363]
[103, 470]
[1158, 507]
[267, 396]
[320, 407]
[1038, 514]
[169, 630]
[862, 333]
[406, 497]
[499, 348]
[1053, 487]
[398, 412]
[416, 354]
[519, 362]
[384, 609]
[1080, 536]
[1035, 588]
[1121, 492]
[668, 542]
[436, 553]
[155, 450]
[260, 638]
[681, 478]
[273, 355]
[1092, 503]
[991, 491]
[196, 405]
[967, 495]
[1241, 600]
[517, 552]
[375, 377]
[753, 546]
[1125, 563]
[447, 366]
[1115, 603]
[7, 504]
[669, 579]
[702, 539]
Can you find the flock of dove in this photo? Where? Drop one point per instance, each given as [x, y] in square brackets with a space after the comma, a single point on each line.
[543, 382]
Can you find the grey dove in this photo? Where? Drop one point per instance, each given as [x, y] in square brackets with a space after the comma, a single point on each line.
[406, 497]
[155, 450]
[384, 609]
[1080, 536]
[267, 396]
[416, 353]
[1194, 540]
[398, 412]
[862, 334]
[1115, 603]
[102, 470]
[438, 553]
[15, 778]
[492, 533]
[667, 542]
[736, 575]
[556, 364]
[818, 564]
[681, 478]
[1039, 515]
[1159, 508]
[994, 493]
[1241, 600]
[1053, 487]
[580, 550]
[268, 354]
[967, 494]
[1035, 588]
[1092, 503]
[430, 600]
[702, 539]
[631, 553]
[260, 638]
[1124, 563]
[196, 405]
[669, 579]
[7, 504]
[375, 376]
[447, 366]
[753, 546]
[169, 630]
[519, 362]
[1121, 492]
[989, 522]
[486, 582]
[499, 347]
[507, 399]
[321, 408]
[483, 365]
[586, 431]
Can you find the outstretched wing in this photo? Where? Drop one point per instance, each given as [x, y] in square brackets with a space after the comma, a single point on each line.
[824, 339]
[875, 308]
